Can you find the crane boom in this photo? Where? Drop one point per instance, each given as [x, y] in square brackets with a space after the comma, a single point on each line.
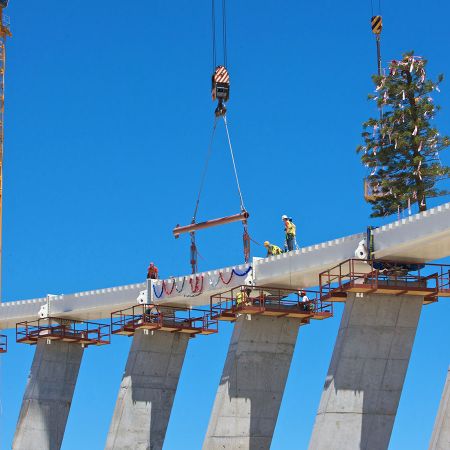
[4, 33]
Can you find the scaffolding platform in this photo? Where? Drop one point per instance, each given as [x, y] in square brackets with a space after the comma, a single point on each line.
[61, 329]
[385, 277]
[270, 301]
[163, 318]
[3, 343]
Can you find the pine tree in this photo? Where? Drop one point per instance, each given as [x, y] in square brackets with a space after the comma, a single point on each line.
[401, 146]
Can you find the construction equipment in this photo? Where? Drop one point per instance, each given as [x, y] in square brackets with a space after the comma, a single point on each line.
[4, 33]
[377, 26]
[62, 329]
[269, 301]
[221, 93]
[191, 321]
[220, 89]
[3, 343]
[385, 277]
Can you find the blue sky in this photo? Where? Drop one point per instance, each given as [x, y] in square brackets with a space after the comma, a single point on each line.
[107, 125]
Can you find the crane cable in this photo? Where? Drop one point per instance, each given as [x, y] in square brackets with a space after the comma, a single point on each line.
[234, 163]
[224, 32]
[205, 169]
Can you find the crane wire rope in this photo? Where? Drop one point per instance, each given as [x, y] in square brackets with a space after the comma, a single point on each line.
[205, 169]
[234, 163]
[213, 23]
[224, 32]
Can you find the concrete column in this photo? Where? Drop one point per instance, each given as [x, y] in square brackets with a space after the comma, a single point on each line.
[147, 391]
[366, 374]
[253, 379]
[48, 396]
[440, 439]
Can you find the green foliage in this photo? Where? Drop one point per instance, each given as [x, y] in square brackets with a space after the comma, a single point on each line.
[401, 148]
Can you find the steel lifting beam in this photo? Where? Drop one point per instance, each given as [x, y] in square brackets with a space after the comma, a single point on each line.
[241, 217]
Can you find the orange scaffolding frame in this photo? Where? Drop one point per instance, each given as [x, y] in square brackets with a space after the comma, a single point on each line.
[62, 329]
[364, 276]
[269, 301]
[3, 343]
[190, 321]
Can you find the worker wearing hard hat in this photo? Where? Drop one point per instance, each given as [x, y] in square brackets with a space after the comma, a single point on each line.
[290, 231]
[243, 297]
[272, 249]
[152, 272]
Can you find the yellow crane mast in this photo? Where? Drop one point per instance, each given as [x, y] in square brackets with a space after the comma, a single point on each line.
[4, 33]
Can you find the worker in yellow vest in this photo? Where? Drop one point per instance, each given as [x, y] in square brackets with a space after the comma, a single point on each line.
[290, 231]
[243, 297]
[272, 249]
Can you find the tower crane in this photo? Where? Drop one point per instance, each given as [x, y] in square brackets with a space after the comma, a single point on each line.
[4, 33]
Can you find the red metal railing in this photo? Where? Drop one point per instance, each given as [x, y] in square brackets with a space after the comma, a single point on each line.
[135, 317]
[269, 299]
[367, 274]
[69, 330]
[159, 316]
[3, 343]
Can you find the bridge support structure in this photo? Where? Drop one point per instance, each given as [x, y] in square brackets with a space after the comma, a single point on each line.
[367, 371]
[251, 388]
[147, 391]
[48, 395]
[440, 439]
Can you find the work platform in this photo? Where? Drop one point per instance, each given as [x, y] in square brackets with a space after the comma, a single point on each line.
[163, 318]
[269, 301]
[429, 281]
[422, 237]
[3, 343]
[65, 330]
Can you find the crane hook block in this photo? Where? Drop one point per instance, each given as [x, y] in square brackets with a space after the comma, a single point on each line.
[377, 24]
[220, 84]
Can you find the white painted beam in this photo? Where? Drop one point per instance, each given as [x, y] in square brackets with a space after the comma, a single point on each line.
[422, 237]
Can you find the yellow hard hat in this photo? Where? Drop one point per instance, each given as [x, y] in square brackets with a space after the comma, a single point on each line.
[266, 243]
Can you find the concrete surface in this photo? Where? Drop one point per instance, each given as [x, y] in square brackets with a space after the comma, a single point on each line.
[147, 391]
[366, 374]
[48, 396]
[440, 439]
[420, 237]
[252, 385]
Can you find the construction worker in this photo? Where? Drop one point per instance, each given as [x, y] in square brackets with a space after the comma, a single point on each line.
[243, 297]
[272, 249]
[152, 272]
[290, 231]
[305, 303]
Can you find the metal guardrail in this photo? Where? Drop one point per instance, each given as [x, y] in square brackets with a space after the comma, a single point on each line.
[3, 343]
[165, 318]
[67, 330]
[375, 275]
[270, 301]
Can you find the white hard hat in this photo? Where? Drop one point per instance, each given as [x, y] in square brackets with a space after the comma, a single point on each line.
[284, 216]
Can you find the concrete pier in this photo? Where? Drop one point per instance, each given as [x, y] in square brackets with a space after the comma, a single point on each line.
[48, 396]
[147, 391]
[440, 439]
[252, 385]
[366, 374]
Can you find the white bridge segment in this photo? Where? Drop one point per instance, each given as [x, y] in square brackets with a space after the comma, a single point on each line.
[422, 237]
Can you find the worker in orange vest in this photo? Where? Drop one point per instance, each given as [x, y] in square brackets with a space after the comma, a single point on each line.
[152, 272]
